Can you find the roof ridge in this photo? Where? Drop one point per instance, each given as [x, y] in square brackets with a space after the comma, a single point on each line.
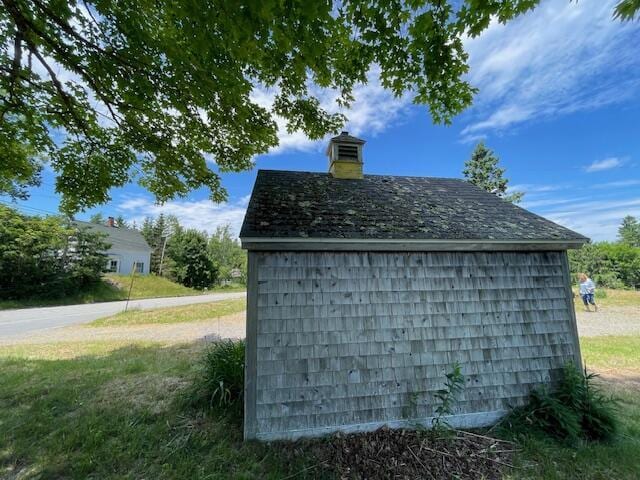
[365, 175]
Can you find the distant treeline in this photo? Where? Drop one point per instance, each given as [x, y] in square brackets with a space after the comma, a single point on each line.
[192, 257]
[612, 264]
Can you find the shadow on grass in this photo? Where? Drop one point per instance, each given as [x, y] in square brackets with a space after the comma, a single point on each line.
[119, 414]
[104, 291]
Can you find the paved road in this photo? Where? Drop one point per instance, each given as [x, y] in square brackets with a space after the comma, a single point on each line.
[15, 323]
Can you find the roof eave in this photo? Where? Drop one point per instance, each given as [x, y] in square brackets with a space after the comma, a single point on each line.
[354, 244]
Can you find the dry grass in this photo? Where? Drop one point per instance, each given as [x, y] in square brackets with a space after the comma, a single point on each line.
[67, 350]
[612, 298]
[188, 313]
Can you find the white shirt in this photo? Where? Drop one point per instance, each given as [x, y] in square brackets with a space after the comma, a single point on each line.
[587, 287]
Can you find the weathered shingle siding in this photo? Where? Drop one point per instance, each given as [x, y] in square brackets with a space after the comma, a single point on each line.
[355, 338]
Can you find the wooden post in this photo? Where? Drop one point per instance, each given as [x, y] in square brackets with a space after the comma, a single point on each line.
[572, 309]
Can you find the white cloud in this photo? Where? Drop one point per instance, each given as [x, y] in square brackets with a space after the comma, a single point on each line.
[597, 220]
[606, 164]
[617, 184]
[560, 58]
[594, 210]
[374, 110]
[535, 188]
[199, 214]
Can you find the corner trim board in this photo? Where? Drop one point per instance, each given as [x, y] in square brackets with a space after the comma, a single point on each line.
[572, 309]
[251, 348]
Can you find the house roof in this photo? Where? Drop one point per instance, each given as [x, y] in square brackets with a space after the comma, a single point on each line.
[119, 238]
[302, 205]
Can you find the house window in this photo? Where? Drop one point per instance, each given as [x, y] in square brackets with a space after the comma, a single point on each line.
[139, 267]
[112, 265]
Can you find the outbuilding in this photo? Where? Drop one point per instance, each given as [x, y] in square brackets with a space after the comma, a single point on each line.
[364, 290]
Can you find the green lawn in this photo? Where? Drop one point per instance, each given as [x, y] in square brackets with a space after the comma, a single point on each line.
[612, 352]
[112, 410]
[188, 313]
[116, 287]
[106, 410]
[544, 459]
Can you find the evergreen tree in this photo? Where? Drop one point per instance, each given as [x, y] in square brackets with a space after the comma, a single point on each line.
[120, 222]
[483, 171]
[97, 218]
[157, 232]
[629, 231]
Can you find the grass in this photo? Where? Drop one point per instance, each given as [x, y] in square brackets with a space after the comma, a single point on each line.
[115, 410]
[611, 298]
[116, 287]
[102, 292]
[105, 410]
[620, 459]
[612, 352]
[149, 286]
[545, 459]
[188, 313]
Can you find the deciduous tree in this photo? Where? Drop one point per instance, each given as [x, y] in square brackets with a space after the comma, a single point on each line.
[111, 91]
[191, 264]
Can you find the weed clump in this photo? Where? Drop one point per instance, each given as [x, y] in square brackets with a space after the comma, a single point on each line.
[576, 410]
[220, 380]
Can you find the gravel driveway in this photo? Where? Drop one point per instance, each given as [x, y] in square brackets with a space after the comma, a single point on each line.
[609, 321]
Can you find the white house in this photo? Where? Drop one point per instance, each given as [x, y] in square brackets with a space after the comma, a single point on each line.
[129, 250]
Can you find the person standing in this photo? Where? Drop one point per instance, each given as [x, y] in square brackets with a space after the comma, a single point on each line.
[587, 292]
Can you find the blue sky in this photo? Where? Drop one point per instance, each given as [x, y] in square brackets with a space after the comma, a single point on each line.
[559, 103]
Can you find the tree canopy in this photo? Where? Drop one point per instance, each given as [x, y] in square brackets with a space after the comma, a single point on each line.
[161, 92]
[483, 171]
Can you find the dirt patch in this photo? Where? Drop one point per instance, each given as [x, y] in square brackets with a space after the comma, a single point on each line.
[152, 392]
[407, 454]
[626, 379]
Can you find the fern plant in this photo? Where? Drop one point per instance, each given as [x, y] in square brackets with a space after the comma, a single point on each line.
[578, 409]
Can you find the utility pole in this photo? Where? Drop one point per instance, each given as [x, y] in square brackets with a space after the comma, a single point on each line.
[166, 234]
[133, 275]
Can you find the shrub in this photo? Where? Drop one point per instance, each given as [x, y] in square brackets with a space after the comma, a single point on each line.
[612, 265]
[47, 257]
[577, 409]
[220, 383]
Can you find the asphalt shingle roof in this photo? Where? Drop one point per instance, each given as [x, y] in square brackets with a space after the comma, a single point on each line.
[119, 238]
[288, 204]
